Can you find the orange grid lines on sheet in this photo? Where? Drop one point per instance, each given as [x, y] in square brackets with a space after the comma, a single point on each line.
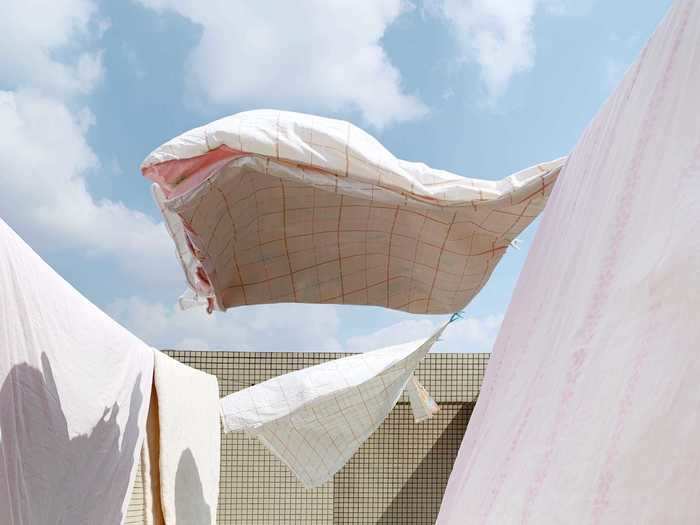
[270, 206]
[315, 419]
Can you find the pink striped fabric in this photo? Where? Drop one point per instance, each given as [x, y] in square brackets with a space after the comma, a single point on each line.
[590, 411]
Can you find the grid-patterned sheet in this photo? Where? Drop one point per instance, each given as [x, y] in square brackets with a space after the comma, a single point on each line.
[270, 206]
[396, 477]
[315, 419]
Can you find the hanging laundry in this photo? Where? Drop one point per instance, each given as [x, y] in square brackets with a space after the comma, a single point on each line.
[271, 206]
[180, 460]
[422, 405]
[74, 391]
[590, 408]
[316, 418]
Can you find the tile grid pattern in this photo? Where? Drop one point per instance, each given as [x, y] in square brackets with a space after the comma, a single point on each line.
[315, 419]
[397, 476]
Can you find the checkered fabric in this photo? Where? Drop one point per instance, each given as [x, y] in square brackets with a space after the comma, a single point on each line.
[270, 206]
[316, 418]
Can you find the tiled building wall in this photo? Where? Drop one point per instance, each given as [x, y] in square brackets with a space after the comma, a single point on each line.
[137, 503]
[397, 477]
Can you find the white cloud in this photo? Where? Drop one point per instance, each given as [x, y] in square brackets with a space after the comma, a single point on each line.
[568, 7]
[471, 334]
[281, 327]
[498, 34]
[45, 157]
[397, 333]
[33, 34]
[287, 327]
[319, 54]
[48, 61]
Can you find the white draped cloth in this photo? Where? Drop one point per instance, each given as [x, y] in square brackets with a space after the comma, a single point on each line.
[316, 418]
[74, 394]
[590, 409]
[181, 459]
[271, 206]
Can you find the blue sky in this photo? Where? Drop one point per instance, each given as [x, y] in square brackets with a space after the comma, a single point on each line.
[482, 88]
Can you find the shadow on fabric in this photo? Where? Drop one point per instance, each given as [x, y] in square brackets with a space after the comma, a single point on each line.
[190, 505]
[48, 477]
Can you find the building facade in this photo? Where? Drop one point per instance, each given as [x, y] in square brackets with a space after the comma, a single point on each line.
[397, 477]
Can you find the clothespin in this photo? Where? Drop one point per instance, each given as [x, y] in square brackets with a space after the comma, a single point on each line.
[456, 315]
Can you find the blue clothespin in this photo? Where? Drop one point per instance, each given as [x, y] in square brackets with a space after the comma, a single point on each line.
[457, 315]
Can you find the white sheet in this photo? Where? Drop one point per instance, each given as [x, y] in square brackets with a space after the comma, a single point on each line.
[188, 443]
[74, 391]
[590, 410]
[316, 418]
[271, 206]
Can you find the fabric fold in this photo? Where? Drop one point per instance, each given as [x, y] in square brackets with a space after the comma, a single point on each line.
[423, 405]
[180, 459]
[316, 418]
[272, 206]
[150, 471]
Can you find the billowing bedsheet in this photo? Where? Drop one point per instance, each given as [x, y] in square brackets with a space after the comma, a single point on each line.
[272, 206]
[590, 409]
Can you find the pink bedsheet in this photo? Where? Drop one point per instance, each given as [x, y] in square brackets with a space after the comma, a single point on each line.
[590, 410]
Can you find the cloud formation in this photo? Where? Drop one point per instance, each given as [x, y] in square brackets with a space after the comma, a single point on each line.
[51, 63]
[33, 36]
[288, 327]
[471, 334]
[498, 35]
[280, 327]
[45, 159]
[325, 54]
